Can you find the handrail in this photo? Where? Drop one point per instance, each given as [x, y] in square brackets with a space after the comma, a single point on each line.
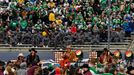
[131, 45]
[121, 46]
[97, 45]
[101, 44]
[51, 48]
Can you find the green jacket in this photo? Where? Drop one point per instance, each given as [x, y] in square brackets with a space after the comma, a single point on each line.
[23, 24]
[107, 74]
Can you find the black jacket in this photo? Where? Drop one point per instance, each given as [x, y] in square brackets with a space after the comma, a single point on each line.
[32, 59]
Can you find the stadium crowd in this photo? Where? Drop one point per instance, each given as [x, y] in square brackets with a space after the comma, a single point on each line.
[54, 22]
[106, 64]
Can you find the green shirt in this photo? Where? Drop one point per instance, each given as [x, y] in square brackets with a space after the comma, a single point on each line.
[75, 21]
[107, 74]
[79, 16]
[103, 4]
[2, 28]
[113, 1]
[115, 8]
[89, 11]
[122, 0]
[38, 26]
[13, 6]
[120, 73]
[76, 1]
[104, 1]
[35, 8]
[82, 22]
[94, 19]
[127, 9]
[93, 69]
[116, 21]
[23, 24]
[13, 24]
[84, 27]
[30, 17]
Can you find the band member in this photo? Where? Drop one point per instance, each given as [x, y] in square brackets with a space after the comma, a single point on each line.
[71, 55]
[32, 58]
[105, 57]
[68, 56]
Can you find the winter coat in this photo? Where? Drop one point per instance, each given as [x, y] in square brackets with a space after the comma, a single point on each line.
[33, 60]
[22, 70]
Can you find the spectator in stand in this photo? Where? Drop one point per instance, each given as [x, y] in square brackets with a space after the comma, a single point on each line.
[127, 28]
[51, 17]
[33, 59]
[23, 24]
[131, 24]
[20, 1]
[67, 16]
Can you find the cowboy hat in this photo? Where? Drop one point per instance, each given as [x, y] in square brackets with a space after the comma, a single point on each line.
[21, 54]
[32, 49]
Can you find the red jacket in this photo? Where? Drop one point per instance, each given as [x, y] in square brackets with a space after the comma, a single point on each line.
[73, 29]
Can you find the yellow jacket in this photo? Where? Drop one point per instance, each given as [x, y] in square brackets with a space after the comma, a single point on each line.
[51, 4]
[51, 17]
[59, 21]
[20, 1]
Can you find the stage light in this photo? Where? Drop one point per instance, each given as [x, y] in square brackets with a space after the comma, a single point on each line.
[79, 54]
[128, 53]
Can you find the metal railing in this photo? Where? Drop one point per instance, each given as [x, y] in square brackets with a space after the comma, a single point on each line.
[131, 46]
[74, 47]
